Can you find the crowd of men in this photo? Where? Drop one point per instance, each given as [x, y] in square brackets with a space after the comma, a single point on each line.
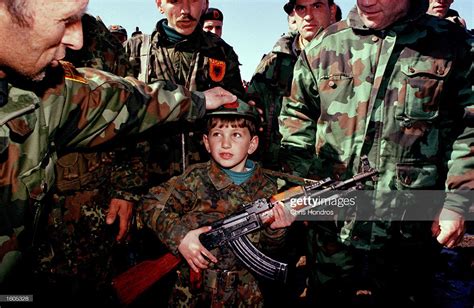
[94, 124]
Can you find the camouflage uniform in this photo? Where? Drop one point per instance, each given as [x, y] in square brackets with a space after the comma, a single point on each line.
[199, 62]
[202, 195]
[78, 252]
[101, 49]
[270, 82]
[403, 96]
[71, 110]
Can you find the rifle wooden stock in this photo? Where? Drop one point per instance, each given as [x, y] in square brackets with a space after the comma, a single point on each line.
[130, 284]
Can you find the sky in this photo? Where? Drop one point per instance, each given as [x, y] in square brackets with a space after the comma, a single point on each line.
[251, 26]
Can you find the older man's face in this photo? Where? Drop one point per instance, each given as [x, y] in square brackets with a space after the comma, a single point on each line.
[55, 25]
[379, 14]
[439, 8]
[182, 15]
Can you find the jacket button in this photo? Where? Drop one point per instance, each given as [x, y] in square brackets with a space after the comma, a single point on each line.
[332, 84]
[374, 39]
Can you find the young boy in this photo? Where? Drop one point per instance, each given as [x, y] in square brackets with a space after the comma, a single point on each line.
[184, 207]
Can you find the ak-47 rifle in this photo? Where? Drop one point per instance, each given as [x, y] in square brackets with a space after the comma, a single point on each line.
[232, 231]
[256, 215]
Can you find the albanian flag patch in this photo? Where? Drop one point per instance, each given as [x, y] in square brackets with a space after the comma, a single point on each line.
[216, 70]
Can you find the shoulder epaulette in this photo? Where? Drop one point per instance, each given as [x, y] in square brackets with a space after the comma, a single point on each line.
[71, 73]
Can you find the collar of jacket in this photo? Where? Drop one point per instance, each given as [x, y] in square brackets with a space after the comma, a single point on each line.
[418, 9]
[220, 180]
[452, 13]
[285, 44]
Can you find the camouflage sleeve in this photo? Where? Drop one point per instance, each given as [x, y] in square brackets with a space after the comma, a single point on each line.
[459, 127]
[91, 108]
[259, 89]
[232, 79]
[163, 210]
[129, 175]
[297, 120]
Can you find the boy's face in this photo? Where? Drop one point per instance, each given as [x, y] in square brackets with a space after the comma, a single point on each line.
[230, 146]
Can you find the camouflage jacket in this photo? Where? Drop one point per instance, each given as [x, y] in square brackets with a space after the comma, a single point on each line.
[200, 196]
[402, 95]
[199, 63]
[101, 49]
[72, 110]
[270, 83]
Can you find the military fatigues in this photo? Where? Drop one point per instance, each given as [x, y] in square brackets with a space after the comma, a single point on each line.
[200, 62]
[75, 110]
[270, 82]
[202, 195]
[101, 50]
[403, 96]
[78, 252]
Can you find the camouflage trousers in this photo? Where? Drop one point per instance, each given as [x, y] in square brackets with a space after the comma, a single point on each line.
[400, 272]
[215, 288]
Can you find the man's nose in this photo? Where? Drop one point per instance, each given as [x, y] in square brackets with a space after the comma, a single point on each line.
[73, 37]
[186, 7]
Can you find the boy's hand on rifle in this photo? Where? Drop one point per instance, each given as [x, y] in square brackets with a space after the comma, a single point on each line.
[197, 256]
[283, 217]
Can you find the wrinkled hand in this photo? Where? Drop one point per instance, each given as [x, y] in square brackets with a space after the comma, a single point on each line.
[217, 96]
[194, 252]
[448, 228]
[123, 209]
[283, 217]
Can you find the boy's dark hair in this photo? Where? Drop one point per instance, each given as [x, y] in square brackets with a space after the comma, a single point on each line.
[232, 121]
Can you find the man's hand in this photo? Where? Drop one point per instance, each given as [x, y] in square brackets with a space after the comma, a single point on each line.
[283, 217]
[217, 96]
[123, 209]
[260, 112]
[194, 252]
[448, 228]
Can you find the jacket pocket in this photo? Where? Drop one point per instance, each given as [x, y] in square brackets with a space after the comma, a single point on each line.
[423, 85]
[335, 88]
[416, 176]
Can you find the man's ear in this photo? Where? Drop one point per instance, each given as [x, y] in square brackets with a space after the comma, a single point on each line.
[158, 4]
[333, 10]
[253, 145]
[205, 139]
